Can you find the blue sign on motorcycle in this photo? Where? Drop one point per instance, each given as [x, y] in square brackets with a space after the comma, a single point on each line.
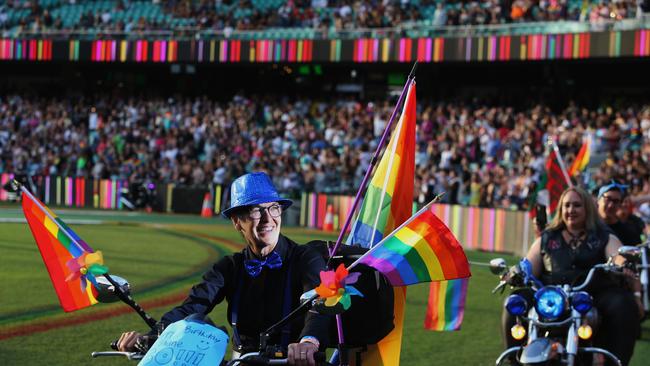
[188, 343]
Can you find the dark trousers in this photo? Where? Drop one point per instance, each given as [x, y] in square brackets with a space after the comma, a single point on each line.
[619, 322]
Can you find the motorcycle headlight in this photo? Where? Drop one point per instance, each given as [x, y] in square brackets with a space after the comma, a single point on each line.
[550, 302]
[582, 302]
[516, 305]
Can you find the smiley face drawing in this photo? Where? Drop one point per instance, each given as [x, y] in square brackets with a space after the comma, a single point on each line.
[203, 345]
[165, 356]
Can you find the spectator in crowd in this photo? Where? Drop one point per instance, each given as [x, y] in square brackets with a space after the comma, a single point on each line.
[477, 154]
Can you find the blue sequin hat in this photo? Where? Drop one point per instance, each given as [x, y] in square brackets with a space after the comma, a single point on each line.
[253, 189]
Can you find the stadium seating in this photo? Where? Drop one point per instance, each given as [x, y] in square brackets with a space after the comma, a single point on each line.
[299, 21]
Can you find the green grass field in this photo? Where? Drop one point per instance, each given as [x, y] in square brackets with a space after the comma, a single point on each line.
[162, 256]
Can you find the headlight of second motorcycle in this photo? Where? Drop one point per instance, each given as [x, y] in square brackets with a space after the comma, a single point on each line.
[550, 302]
[516, 305]
[582, 302]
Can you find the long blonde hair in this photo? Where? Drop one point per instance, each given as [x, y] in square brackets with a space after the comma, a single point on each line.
[591, 216]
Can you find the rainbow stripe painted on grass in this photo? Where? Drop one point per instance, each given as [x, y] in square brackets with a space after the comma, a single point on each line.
[388, 201]
[424, 250]
[446, 305]
[56, 242]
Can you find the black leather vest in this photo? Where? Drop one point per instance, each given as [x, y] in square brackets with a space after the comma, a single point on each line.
[565, 265]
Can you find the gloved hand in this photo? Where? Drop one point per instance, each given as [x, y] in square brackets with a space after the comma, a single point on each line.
[144, 343]
[514, 276]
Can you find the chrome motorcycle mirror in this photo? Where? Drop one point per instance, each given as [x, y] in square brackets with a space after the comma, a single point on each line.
[106, 290]
[498, 266]
[630, 253]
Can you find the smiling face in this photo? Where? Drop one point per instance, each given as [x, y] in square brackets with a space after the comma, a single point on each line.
[608, 205]
[573, 211]
[262, 233]
[203, 345]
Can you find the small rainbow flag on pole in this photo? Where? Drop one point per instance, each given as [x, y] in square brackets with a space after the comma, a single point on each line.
[422, 249]
[582, 158]
[446, 305]
[70, 262]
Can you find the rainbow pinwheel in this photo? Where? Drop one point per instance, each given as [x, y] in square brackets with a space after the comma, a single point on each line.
[335, 290]
[86, 266]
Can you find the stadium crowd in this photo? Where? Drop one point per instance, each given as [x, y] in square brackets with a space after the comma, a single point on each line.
[321, 15]
[481, 155]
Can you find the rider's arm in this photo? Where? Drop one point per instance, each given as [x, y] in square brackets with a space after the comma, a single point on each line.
[204, 296]
[611, 250]
[632, 281]
[534, 256]
[316, 329]
[201, 299]
[316, 325]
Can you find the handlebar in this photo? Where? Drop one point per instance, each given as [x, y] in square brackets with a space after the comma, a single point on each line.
[252, 358]
[255, 358]
[606, 267]
[502, 284]
[129, 355]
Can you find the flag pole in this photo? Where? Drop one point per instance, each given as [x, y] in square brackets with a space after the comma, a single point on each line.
[374, 160]
[343, 356]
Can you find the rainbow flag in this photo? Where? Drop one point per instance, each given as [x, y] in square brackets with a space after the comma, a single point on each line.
[388, 201]
[582, 158]
[70, 262]
[387, 204]
[446, 305]
[423, 249]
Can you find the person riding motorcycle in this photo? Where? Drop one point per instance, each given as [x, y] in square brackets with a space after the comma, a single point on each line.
[262, 283]
[573, 243]
[614, 208]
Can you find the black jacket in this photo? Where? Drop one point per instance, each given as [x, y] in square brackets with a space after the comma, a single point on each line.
[565, 265]
[629, 232]
[261, 298]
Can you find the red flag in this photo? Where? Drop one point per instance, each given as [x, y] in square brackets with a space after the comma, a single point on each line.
[556, 180]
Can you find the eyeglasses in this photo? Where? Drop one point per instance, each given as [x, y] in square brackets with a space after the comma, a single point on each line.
[255, 213]
[613, 201]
